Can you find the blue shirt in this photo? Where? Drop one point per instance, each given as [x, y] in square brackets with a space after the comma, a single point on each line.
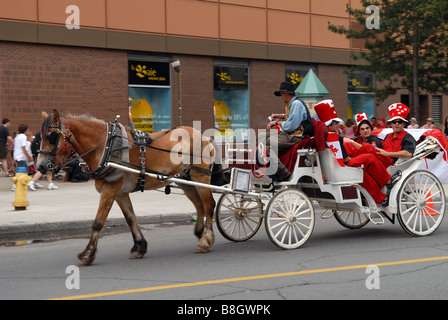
[297, 113]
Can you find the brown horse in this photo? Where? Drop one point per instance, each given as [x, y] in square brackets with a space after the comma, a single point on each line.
[86, 136]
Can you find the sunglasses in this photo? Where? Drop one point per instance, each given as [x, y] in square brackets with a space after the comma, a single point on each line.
[397, 121]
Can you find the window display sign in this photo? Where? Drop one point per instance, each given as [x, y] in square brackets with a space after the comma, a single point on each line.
[360, 99]
[231, 103]
[149, 95]
[149, 73]
[360, 81]
[296, 73]
[141, 113]
[230, 78]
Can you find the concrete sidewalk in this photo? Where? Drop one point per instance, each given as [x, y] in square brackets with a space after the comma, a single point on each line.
[74, 205]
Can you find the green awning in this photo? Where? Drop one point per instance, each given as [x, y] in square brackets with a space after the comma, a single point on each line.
[311, 86]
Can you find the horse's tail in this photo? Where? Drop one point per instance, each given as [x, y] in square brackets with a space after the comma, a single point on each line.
[220, 175]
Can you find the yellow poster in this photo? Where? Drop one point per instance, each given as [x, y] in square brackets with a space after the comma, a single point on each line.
[222, 117]
[142, 115]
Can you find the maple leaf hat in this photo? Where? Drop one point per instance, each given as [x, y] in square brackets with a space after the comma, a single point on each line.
[362, 118]
[326, 112]
[398, 111]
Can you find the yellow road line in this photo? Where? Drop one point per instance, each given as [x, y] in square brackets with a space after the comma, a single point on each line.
[266, 276]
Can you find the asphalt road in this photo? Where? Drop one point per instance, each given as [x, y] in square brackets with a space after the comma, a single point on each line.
[333, 264]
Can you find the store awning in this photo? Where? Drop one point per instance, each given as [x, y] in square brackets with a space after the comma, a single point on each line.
[311, 87]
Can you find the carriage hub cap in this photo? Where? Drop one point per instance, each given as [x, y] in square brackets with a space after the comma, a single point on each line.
[291, 219]
[421, 204]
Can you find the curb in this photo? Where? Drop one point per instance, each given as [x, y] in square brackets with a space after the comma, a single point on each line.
[83, 224]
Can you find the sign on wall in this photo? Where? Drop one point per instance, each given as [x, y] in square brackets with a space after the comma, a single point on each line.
[149, 73]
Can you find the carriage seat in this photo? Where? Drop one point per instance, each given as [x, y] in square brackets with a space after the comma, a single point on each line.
[335, 174]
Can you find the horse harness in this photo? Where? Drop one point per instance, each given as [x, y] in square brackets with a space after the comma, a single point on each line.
[116, 149]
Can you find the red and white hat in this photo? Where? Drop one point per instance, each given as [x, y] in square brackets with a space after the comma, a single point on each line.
[326, 112]
[360, 117]
[398, 111]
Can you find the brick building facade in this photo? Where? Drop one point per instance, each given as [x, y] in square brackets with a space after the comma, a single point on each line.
[44, 65]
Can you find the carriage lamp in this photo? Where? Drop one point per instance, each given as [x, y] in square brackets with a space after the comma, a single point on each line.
[21, 179]
[240, 180]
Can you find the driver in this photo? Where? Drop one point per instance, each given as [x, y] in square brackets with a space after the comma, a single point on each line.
[295, 125]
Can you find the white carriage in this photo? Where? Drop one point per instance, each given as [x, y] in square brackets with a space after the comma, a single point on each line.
[288, 208]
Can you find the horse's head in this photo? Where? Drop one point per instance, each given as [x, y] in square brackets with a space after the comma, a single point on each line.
[54, 148]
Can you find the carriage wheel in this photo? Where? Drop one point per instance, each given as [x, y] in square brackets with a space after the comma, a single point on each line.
[421, 203]
[289, 219]
[351, 220]
[238, 218]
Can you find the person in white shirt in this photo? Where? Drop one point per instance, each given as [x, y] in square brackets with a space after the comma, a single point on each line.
[20, 154]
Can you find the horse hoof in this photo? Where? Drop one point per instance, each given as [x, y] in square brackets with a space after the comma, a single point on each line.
[202, 249]
[136, 255]
[85, 261]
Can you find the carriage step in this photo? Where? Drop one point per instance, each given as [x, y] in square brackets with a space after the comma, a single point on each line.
[376, 217]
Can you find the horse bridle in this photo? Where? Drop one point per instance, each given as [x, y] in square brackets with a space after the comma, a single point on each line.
[53, 138]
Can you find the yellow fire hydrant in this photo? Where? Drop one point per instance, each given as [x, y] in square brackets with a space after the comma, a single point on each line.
[21, 180]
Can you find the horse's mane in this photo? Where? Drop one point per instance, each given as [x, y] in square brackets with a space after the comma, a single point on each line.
[84, 117]
[46, 125]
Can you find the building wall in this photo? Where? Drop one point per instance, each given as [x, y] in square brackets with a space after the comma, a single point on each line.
[290, 22]
[37, 78]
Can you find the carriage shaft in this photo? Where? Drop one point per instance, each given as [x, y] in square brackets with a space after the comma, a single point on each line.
[181, 181]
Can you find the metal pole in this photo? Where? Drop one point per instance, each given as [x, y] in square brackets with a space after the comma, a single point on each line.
[180, 98]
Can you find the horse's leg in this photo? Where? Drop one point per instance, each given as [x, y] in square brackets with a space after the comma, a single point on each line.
[208, 204]
[204, 203]
[192, 194]
[88, 255]
[140, 245]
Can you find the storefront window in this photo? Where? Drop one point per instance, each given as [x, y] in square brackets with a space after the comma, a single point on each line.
[150, 95]
[231, 102]
[360, 96]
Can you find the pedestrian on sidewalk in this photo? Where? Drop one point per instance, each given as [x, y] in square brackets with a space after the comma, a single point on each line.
[21, 155]
[5, 138]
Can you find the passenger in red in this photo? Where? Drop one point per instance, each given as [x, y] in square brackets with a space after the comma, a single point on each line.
[366, 142]
[375, 174]
[399, 143]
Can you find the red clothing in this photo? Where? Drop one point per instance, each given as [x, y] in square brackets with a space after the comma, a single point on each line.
[368, 148]
[403, 141]
[375, 174]
[392, 144]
